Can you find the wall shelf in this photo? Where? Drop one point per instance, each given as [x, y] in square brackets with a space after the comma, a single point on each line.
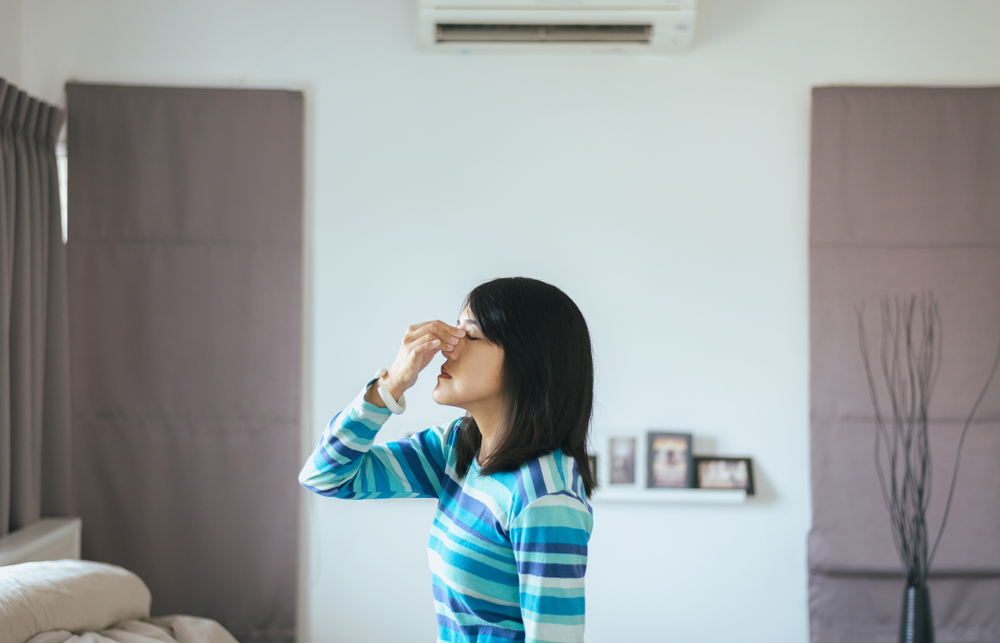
[670, 496]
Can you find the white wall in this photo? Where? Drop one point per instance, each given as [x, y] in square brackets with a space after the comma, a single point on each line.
[667, 196]
[10, 40]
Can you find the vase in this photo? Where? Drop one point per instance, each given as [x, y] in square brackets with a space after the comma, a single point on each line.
[916, 624]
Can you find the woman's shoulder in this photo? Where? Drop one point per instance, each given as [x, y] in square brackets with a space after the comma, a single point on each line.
[550, 493]
[553, 474]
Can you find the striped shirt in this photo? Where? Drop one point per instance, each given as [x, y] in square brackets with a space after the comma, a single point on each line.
[508, 551]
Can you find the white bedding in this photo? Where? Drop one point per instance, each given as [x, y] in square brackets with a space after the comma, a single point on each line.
[167, 629]
[73, 601]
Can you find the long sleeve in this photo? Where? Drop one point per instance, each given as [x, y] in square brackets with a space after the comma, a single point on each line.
[346, 463]
[550, 537]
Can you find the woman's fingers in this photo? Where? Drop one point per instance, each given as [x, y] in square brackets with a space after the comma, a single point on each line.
[425, 345]
[420, 343]
[446, 333]
[436, 326]
[424, 352]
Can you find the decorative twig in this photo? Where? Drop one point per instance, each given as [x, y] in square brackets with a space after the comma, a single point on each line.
[911, 360]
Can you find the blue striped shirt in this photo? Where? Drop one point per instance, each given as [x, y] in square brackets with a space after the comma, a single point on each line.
[508, 551]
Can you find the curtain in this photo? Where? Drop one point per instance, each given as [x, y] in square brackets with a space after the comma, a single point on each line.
[905, 197]
[34, 332]
[185, 256]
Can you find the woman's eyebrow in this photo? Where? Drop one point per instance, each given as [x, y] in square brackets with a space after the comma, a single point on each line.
[471, 322]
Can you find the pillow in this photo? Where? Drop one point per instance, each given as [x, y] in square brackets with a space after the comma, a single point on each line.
[69, 595]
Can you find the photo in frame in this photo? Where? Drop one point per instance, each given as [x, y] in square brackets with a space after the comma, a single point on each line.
[622, 456]
[724, 473]
[669, 462]
[592, 461]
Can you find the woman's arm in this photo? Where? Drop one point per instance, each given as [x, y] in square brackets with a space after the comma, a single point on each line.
[550, 538]
[346, 463]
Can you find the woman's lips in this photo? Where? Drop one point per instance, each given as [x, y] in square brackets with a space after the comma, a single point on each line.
[443, 374]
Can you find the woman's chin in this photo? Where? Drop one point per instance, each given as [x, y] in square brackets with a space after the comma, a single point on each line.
[439, 396]
[443, 396]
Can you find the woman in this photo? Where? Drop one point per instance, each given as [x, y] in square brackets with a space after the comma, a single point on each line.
[508, 546]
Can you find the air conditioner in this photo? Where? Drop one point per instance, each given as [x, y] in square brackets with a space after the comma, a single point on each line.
[638, 26]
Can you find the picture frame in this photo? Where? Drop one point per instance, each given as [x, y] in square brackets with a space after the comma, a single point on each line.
[719, 472]
[592, 462]
[622, 457]
[669, 461]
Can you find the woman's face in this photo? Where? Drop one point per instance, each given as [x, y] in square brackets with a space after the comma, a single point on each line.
[470, 377]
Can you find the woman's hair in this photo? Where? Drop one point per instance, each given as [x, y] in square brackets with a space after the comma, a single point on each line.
[547, 382]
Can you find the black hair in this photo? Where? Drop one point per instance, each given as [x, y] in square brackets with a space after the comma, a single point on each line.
[547, 381]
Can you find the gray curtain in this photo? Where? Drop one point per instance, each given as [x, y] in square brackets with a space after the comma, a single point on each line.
[905, 196]
[34, 334]
[185, 257]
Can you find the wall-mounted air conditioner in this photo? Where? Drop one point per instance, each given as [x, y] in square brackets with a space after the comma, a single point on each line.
[638, 26]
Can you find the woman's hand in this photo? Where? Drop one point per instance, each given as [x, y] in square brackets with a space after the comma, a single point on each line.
[420, 344]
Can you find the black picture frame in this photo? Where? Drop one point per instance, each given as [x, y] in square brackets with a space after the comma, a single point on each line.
[592, 463]
[669, 461]
[736, 482]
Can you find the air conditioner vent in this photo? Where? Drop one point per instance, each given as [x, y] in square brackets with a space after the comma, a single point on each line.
[544, 33]
[632, 27]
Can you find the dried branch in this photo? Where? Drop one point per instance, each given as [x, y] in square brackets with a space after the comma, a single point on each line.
[911, 361]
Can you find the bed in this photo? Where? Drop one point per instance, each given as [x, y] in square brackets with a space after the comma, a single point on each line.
[79, 601]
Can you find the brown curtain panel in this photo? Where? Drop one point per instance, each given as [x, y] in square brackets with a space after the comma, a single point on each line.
[905, 197]
[34, 332]
[185, 257]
